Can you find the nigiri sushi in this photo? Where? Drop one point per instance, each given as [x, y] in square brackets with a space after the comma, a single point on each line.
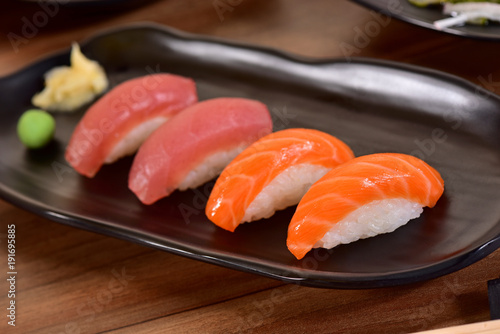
[272, 174]
[196, 145]
[366, 196]
[117, 124]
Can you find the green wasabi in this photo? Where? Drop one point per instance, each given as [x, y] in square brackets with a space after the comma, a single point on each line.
[36, 128]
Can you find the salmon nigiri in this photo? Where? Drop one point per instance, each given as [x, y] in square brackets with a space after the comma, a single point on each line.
[272, 174]
[196, 145]
[366, 196]
[118, 123]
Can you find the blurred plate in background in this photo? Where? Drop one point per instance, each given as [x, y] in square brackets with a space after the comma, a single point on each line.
[425, 17]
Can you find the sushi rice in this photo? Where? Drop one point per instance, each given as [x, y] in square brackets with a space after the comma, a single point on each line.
[377, 217]
[129, 144]
[209, 168]
[284, 190]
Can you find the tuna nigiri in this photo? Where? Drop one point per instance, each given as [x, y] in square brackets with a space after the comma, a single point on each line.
[272, 174]
[196, 145]
[117, 124]
[366, 196]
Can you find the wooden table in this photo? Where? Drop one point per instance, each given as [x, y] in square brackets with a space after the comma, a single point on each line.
[72, 281]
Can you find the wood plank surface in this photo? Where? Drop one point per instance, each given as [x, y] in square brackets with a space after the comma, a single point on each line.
[74, 281]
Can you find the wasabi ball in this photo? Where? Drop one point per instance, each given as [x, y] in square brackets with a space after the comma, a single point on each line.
[36, 128]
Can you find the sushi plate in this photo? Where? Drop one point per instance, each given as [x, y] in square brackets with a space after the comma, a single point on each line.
[425, 17]
[374, 106]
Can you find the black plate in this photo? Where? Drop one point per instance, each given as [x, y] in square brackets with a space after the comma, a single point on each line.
[425, 17]
[373, 106]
